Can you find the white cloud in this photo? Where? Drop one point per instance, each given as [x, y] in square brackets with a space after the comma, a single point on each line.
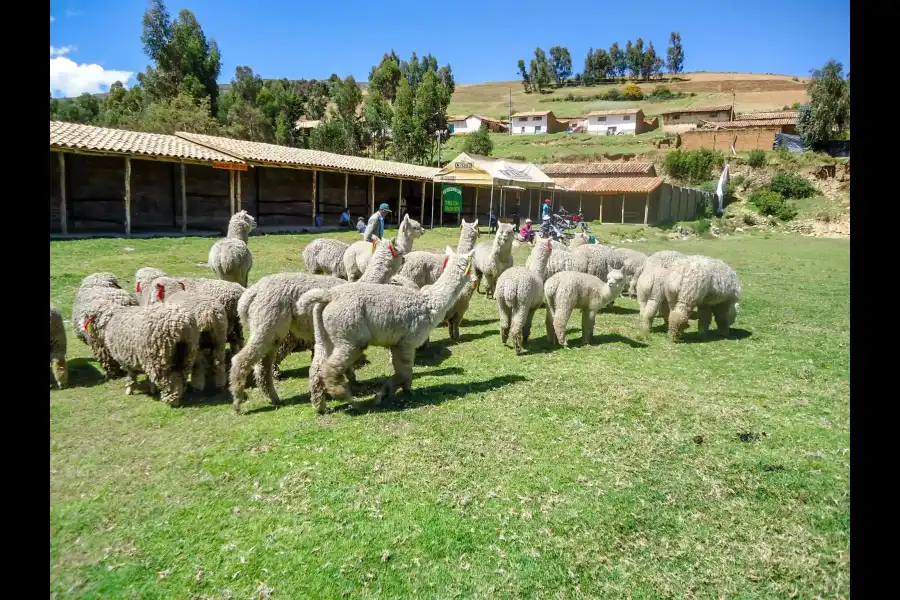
[61, 51]
[68, 78]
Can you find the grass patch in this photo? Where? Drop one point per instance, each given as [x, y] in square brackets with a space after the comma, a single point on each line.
[631, 467]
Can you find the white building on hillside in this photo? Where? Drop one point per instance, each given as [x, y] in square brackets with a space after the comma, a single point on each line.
[463, 124]
[618, 121]
[535, 123]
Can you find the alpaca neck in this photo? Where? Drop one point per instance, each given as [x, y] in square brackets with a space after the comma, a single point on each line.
[404, 241]
[466, 241]
[538, 264]
[442, 295]
[238, 230]
[379, 269]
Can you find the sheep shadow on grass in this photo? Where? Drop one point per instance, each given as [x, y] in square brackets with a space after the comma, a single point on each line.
[614, 309]
[478, 322]
[84, 374]
[431, 395]
[695, 337]
[542, 344]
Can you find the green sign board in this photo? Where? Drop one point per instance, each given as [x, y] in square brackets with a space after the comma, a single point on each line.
[451, 198]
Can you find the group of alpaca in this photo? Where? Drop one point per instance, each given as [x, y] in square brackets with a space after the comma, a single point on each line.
[368, 293]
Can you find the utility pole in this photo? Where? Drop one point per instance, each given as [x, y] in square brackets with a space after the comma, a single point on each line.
[509, 126]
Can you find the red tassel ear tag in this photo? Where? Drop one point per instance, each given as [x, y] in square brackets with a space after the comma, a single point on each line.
[181, 284]
[137, 288]
[468, 268]
[88, 324]
[444, 267]
[391, 248]
[374, 245]
[160, 291]
[548, 244]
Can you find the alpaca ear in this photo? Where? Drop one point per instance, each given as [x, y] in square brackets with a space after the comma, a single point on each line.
[181, 284]
[160, 291]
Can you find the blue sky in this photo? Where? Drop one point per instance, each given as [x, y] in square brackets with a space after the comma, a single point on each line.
[95, 42]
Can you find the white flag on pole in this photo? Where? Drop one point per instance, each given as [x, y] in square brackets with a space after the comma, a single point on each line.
[720, 189]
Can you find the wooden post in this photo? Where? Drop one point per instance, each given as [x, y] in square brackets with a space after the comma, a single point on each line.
[231, 190]
[623, 208]
[422, 203]
[579, 201]
[63, 219]
[441, 204]
[183, 201]
[239, 198]
[432, 205]
[371, 194]
[475, 209]
[601, 210]
[399, 200]
[646, 208]
[127, 195]
[346, 187]
[315, 182]
[529, 203]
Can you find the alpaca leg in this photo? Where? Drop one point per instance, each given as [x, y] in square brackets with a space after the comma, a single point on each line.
[516, 328]
[561, 314]
[548, 325]
[454, 327]
[220, 366]
[402, 358]
[318, 397]
[130, 382]
[678, 321]
[704, 318]
[526, 327]
[172, 386]
[198, 373]
[504, 312]
[725, 316]
[588, 319]
[663, 312]
[61, 372]
[286, 347]
[267, 382]
[490, 283]
[648, 311]
[478, 277]
[243, 362]
[336, 366]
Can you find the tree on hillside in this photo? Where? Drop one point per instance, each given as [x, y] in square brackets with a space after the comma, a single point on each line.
[445, 74]
[378, 114]
[617, 56]
[181, 113]
[412, 71]
[597, 66]
[526, 81]
[828, 114]
[409, 136]
[83, 109]
[432, 100]
[539, 72]
[185, 61]
[649, 62]
[316, 101]
[675, 54]
[341, 131]
[561, 63]
[634, 55]
[385, 78]
[479, 142]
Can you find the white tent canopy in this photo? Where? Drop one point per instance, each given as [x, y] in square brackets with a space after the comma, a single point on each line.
[485, 171]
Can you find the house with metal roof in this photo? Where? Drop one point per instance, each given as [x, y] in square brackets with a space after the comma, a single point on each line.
[535, 122]
[678, 120]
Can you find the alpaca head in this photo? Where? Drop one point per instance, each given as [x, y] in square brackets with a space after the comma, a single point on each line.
[411, 227]
[107, 280]
[245, 218]
[163, 286]
[615, 279]
[505, 235]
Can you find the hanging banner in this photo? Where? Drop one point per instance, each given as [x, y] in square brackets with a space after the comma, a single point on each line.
[451, 198]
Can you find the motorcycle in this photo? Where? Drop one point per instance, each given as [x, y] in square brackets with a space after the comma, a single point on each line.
[569, 222]
[554, 231]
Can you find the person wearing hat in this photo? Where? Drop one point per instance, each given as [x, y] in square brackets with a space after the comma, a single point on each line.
[526, 234]
[376, 223]
[545, 210]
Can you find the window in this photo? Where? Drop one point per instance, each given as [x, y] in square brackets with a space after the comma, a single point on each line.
[537, 128]
[611, 130]
[675, 117]
[521, 130]
[536, 118]
[626, 118]
[601, 119]
[714, 114]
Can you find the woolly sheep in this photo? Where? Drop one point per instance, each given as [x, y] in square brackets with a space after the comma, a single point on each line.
[566, 291]
[356, 316]
[519, 293]
[325, 256]
[357, 255]
[706, 284]
[424, 268]
[159, 340]
[212, 322]
[99, 291]
[650, 290]
[230, 257]
[143, 278]
[493, 258]
[58, 345]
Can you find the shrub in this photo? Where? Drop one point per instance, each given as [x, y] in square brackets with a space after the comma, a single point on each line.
[771, 203]
[702, 225]
[757, 159]
[613, 94]
[661, 93]
[632, 91]
[795, 79]
[693, 166]
[784, 155]
[791, 185]
[787, 211]
[796, 106]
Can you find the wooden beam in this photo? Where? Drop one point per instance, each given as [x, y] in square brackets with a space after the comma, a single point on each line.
[422, 205]
[601, 210]
[529, 203]
[238, 177]
[346, 187]
[183, 200]
[623, 208]
[63, 219]
[314, 184]
[399, 200]
[579, 201]
[371, 194]
[231, 190]
[646, 208]
[475, 210]
[441, 204]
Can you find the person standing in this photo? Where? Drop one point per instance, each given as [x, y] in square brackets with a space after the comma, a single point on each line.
[375, 225]
[515, 214]
[545, 210]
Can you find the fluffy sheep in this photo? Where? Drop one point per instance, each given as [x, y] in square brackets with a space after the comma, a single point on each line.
[600, 259]
[159, 340]
[706, 284]
[493, 258]
[143, 278]
[355, 316]
[650, 287]
[212, 322]
[99, 291]
[424, 268]
[325, 256]
[230, 257]
[519, 293]
[357, 255]
[58, 344]
[566, 291]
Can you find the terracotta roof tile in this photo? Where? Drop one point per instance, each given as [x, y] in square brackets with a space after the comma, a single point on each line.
[781, 114]
[76, 136]
[532, 113]
[259, 152]
[749, 124]
[608, 185]
[614, 111]
[696, 109]
[626, 168]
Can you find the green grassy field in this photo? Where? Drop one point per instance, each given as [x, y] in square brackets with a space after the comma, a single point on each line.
[630, 468]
